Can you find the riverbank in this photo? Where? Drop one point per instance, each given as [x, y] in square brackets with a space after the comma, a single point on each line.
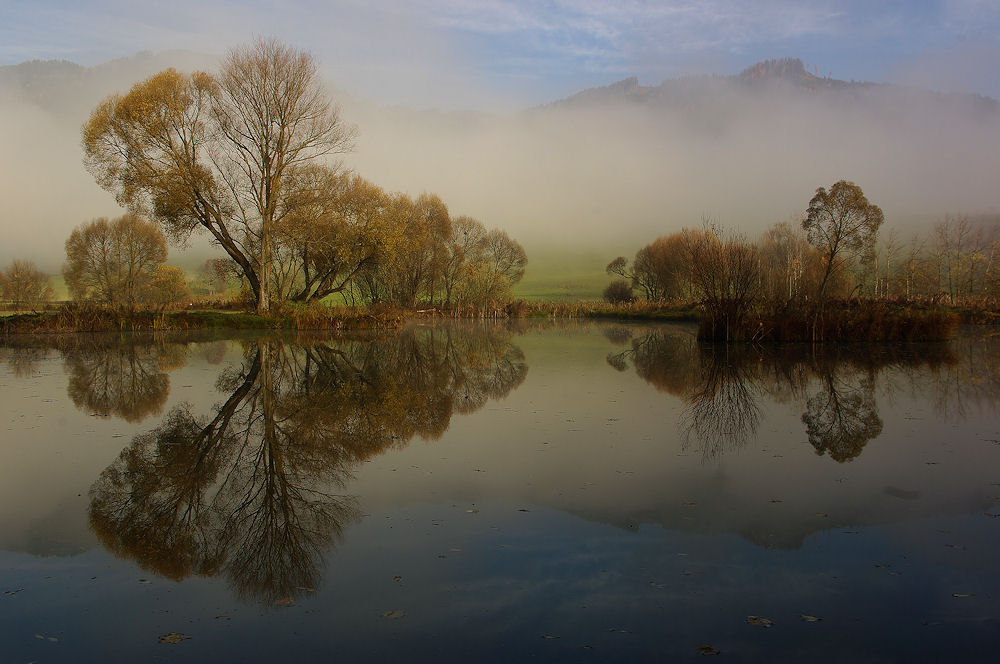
[864, 320]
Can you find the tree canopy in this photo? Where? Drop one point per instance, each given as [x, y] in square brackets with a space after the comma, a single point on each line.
[219, 152]
[841, 223]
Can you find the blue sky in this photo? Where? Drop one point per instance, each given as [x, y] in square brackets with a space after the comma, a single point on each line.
[488, 53]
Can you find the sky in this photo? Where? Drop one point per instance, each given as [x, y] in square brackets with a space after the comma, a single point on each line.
[508, 54]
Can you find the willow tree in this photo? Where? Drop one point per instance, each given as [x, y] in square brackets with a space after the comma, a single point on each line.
[197, 151]
[841, 223]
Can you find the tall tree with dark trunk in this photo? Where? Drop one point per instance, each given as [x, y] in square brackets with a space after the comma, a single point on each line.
[842, 224]
[214, 152]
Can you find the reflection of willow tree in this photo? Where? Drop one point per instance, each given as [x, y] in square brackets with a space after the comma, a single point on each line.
[255, 491]
[125, 379]
[722, 385]
[842, 416]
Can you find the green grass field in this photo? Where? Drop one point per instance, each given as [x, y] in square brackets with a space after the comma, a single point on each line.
[564, 275]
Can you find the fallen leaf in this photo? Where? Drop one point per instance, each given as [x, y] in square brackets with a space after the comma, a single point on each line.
[395, 614]
[12, 592]
[397, 578]
[222, 617]
[963, 594]
[706, 649]
[549, 636]
[472, 511]
[284, 601]
[809, 618]
[757, 620]
[173, 637]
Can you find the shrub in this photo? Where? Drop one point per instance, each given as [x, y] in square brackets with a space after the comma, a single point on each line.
[618, 291]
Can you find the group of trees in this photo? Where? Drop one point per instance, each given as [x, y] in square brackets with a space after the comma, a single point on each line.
[24, 286]
[242, 155]
[727, 271]
[956, 263]
[833, 251]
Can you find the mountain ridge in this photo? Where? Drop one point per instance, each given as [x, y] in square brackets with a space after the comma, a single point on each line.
[763, 76]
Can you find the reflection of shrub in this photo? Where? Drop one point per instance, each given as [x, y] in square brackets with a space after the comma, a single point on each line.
[618, 291]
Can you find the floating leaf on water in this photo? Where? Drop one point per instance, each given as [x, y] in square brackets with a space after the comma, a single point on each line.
[758, 620]
[549, 636]
[776, 500]
[809, 618]
[472, 511]
[12, 592]
[284, 601]
[690, 503]
[173, 637]
[454, 550]
[706, 649]
[522, 509]
[397, 578]
[222, 617]
[963, 594]
[395, 614]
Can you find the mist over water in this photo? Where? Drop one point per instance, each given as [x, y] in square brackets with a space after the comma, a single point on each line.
[599, 171]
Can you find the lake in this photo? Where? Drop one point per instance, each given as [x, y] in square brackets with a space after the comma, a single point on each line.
[558, 491]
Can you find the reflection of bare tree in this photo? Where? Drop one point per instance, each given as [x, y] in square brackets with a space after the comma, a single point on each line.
[665, 359]
[255, 492]
[722, 411]
[23, 361]
[123, 379]
[842, 416]
[723, 383]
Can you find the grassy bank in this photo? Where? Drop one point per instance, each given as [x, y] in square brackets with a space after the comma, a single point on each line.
[865, 320]
[840, 320]
[73, 318]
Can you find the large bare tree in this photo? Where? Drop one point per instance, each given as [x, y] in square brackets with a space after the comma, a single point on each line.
[215, 152]
[113, 261]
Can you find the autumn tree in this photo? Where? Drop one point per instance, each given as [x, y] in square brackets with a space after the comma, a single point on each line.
[338, 226]
[463, 249]
[197, 151]
[167, 286]
[24, 285]
[842, 224]
[660, 270]
[725, 273]
[113, 261]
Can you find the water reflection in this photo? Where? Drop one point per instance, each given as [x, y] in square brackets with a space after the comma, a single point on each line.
[723, 385]
[256, 491]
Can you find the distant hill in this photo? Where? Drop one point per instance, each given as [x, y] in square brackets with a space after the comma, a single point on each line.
[786, 74]
[64, 87]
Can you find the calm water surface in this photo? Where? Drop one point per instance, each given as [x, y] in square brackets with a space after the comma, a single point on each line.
[562, 492]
